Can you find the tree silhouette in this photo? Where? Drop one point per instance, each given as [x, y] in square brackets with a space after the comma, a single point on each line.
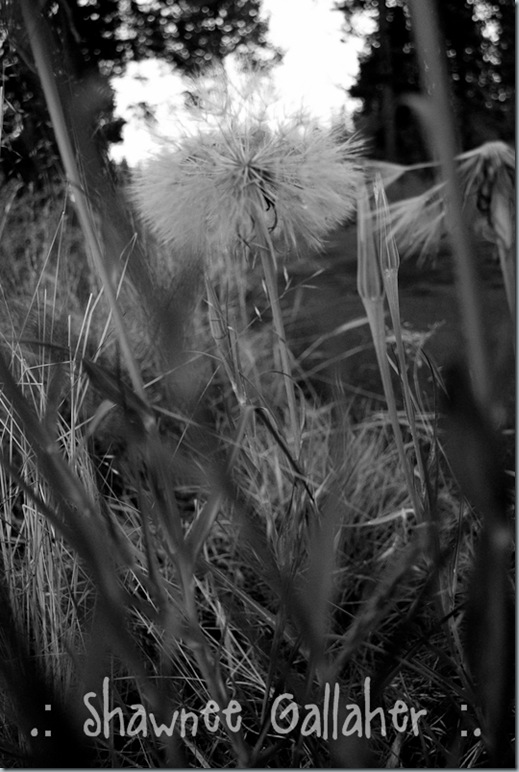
[92, 41]
[480, 53]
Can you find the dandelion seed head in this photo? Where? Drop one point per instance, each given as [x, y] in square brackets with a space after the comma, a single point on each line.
[239, 173]
[487, 180]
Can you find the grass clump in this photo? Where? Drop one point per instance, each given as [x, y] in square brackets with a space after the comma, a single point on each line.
[293, 574]
[185, 543]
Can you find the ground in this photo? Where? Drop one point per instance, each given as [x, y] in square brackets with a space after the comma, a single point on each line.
[318, 305]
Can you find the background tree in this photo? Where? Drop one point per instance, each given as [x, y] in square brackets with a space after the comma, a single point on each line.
[480, 52]
[94, 40]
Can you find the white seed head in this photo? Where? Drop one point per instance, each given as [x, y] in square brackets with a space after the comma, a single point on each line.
[239, 173]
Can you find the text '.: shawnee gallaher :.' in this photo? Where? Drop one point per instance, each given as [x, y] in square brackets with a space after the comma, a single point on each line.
[330, 719]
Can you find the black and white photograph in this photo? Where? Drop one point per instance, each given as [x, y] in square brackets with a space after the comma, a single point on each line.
[257, 384]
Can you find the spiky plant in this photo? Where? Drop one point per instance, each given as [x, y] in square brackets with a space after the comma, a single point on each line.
[486, 176]
[374, 280]
[240, 180]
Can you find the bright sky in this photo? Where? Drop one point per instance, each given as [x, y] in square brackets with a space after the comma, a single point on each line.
[316, 70]
[317, 66]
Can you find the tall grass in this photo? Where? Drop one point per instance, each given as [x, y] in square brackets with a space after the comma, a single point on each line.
[179, 532]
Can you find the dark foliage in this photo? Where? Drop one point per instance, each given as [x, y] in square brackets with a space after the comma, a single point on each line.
[480, 52]
[94, 40]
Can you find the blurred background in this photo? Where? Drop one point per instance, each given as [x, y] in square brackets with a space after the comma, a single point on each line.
[353, 63]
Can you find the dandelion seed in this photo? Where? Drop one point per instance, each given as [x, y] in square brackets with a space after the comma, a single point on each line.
[240, 179]
[239, 173]
[486, 173]
[490, 171]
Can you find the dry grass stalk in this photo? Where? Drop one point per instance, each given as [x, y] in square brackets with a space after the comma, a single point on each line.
[371, 290]
[36, 31]
[389, 265]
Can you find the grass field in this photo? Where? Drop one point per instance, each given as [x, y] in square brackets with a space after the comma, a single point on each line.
[322, 296]
[301, 573]
[257, 511]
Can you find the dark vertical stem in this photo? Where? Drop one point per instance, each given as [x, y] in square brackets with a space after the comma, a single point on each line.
[443, 136]
[40, 48]
[388, 96]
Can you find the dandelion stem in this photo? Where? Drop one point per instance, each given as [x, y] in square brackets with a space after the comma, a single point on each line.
[268, 261]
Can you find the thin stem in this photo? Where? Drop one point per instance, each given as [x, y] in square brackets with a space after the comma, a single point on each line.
[221, 335]
[375, 314]
[40, 48]
[268, 261]
[394, 306]
[507, 265]
[389, 261]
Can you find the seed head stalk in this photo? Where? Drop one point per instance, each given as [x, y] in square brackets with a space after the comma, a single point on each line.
[268, 262]
[371, 290]
[389, 265]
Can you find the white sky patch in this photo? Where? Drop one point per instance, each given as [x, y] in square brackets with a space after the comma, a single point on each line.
[149, 96]
[315, 74]
[317, 68]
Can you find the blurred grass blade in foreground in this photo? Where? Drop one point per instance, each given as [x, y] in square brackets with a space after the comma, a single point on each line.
[475, 453]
